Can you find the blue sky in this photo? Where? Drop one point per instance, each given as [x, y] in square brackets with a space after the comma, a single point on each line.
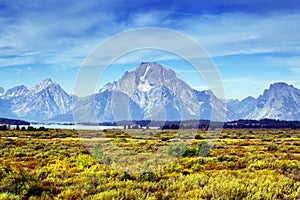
[253, 43]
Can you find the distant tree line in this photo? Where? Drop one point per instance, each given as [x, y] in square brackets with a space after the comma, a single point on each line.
[205, 124]
[263, 123]
[23, 128]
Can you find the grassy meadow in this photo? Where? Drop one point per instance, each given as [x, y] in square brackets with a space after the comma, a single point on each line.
[113, 164]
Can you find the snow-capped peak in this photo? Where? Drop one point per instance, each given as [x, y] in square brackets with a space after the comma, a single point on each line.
[42, 85]
[47, 81]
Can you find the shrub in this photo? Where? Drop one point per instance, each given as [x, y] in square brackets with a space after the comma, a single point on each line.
[223, 158]
[225, 136]
[180, 150]
[199, 137]
[189, 152]
[272, 148]
[70, 194]
[148, 176]
[296, 144]
[203, 148]
[126, 176]
[164, 139]
[9, 196]
[19, 182]
[267, 139]
[84, 161]
[100, 155]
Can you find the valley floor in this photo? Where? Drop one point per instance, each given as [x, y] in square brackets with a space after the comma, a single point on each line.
[110, 164]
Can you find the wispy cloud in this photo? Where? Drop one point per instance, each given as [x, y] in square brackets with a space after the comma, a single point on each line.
[70, 30]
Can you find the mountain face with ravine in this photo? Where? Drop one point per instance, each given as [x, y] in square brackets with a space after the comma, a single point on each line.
[150, 91]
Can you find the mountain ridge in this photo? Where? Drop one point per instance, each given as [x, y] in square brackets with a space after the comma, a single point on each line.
[150, 91]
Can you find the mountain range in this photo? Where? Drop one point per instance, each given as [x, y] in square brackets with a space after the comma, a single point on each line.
[150, 91]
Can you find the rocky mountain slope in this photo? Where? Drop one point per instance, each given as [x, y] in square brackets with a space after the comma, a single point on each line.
[45, 100]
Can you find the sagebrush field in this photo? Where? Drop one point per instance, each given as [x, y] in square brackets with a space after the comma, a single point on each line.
[58, 164]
